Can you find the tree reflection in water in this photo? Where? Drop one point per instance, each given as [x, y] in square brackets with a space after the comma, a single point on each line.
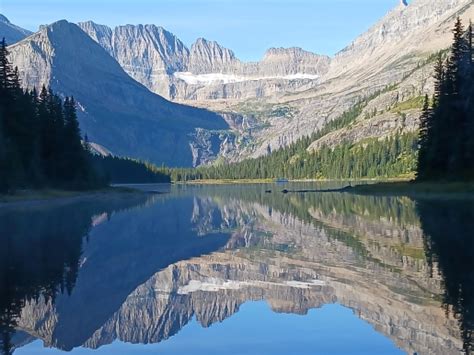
[40, 250]
[448, 226]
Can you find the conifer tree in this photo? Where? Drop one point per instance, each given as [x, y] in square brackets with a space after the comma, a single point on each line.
[446, 143]
[423, 139]
[40, 140]
[5, 68]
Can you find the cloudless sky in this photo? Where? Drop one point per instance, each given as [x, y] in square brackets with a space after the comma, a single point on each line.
[255, 329]
[248, 27]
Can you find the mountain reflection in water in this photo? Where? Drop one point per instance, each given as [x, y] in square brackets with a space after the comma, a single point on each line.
[143, 269]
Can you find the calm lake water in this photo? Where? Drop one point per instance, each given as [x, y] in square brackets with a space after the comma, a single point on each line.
[238, 270]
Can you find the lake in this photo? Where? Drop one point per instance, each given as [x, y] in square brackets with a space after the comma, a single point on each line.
[235, 269]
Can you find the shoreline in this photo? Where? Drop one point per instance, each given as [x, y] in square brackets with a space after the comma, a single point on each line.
[416, 189]
[30, 198]
[272, 181]
[369, 187]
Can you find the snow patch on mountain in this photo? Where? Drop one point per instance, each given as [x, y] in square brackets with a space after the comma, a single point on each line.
[220, 78]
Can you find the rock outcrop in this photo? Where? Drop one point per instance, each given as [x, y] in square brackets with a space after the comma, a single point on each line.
[206, 71]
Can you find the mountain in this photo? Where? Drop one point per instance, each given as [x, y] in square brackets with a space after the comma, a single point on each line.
[115, 111]
[11, 32]
[392, 64]
[210, 57]
[291, 93]
[389, 67]
[206, 71]
[149, 54]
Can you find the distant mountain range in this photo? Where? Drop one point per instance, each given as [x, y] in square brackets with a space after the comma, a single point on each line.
[260, 106]
[160, 61]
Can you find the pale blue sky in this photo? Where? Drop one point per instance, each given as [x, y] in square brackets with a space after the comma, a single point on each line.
[248, 27]
[255, 329]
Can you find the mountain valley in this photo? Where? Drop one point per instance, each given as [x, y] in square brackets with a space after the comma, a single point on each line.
[260, 107]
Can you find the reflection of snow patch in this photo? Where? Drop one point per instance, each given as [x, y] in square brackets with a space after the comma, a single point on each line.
[210, 285]
[299, 284]
[219, 78]
[215, 285]
[98, 219]
[100, 150]
[82, 262]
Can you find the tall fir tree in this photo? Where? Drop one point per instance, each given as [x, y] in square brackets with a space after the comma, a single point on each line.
[424, 157]
[5, 68]
[40, 141]
[446, 143]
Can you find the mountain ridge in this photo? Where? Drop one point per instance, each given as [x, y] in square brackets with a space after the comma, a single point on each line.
[115, 111]
[11, 32]
[181, 78]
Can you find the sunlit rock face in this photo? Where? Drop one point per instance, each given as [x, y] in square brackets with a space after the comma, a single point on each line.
[314, 252]
[160, 61]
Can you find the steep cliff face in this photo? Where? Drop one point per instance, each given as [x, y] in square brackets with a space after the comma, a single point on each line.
[210, 57]
[11, 32]
[116, 111]
[149, 54]
[206, 71]
[294, 62]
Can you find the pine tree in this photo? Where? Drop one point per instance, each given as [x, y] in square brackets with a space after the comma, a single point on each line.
[4, 186]
[40, 139]
[5, 68]
[424, 157]
[469, 106]
[446, 143]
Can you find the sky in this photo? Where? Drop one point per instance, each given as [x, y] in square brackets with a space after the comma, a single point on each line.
[248, 27]
[256, 329]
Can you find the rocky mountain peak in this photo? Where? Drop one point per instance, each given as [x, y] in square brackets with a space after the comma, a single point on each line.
[209, 57]
[403, 20]
[148, 53]
[11, 32]
[291, 61]
[416, 28]
[293, 51]
[4, 19]
[290, 54]
[99, 33]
